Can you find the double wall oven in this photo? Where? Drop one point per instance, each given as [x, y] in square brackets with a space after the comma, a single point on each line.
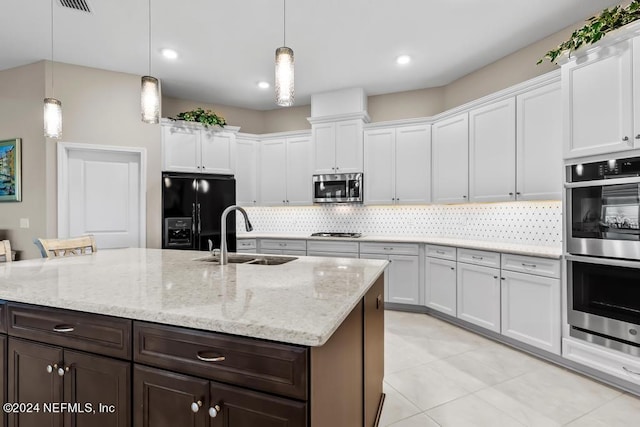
[603, 245]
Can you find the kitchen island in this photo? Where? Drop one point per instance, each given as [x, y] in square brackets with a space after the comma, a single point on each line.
[160, 337]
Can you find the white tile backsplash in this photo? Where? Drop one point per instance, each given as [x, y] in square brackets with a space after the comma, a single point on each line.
[532, 223]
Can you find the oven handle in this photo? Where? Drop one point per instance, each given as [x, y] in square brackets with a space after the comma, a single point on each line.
[603, 182]
[604, 261]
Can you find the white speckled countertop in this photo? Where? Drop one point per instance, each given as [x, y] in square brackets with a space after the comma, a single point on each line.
[554, 252]
[300, 302]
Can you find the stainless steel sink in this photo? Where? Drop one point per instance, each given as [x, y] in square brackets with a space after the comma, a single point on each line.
[234, 258]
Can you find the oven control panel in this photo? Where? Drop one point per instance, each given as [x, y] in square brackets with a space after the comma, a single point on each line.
[614, 168]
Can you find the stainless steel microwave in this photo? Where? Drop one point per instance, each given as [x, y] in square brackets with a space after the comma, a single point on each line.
[337, 188]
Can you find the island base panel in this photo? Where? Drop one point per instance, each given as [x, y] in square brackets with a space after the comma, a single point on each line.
[373, 352]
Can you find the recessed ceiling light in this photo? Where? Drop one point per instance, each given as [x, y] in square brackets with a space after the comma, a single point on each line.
[169, 53]
[403, 59]
[264, 85]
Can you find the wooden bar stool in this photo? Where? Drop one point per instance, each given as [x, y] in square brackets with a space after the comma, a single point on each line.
[52, 248]
[5, 251]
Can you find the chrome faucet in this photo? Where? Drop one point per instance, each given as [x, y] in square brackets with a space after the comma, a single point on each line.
[223, 231]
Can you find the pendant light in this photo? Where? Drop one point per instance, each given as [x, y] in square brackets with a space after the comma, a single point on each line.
[52, 106]
[150, 90]
[284, 68]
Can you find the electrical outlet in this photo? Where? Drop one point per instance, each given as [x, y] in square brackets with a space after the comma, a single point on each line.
[24, 222]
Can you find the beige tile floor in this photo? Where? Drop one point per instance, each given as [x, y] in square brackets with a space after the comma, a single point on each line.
[437, 374]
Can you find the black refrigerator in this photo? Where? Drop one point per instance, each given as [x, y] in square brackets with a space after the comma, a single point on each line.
[192, 206]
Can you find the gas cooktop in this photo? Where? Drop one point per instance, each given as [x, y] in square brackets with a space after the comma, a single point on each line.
[330, 234]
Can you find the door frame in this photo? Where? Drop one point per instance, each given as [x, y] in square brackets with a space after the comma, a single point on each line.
[65, 149]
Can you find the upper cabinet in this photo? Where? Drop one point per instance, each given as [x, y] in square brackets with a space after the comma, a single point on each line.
[598, 98]
[337, 147]
[246, 171]
[492, 152]
[193, 148]
[450, 162]
[285, 175]
[397, 165]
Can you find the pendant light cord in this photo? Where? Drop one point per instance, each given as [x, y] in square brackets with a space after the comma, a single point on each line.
[284, 22]
[52, 63]
[149, 37]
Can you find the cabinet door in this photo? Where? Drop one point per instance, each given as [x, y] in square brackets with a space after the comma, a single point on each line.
[404, 282]
[531, 310]
[218, 152]
[597, 97]
[29, 381]
[636, 92]
[387, 276]
[3, 370]
[349, 149]
[246, 408]
[165, 399]
[100, 381]
[450, 168]
[324, 148]
[539, 144]
[479, 295]
[246, 172]
[492, 152]
[379, 173]
[413, 164]
[273, 173]
[299, 181]
[180, 149]
[440, 285]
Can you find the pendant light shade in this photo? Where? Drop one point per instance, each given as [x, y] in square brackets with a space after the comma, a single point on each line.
[284, 77]
[150, 99]
[52, 118]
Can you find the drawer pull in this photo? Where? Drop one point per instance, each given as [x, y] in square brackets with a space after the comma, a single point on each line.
[63, 328]
[388, 249]
[524, 264]
[440, 252]
[204, 356]
[62, 371]
[214, 410]
[195, 406]
[480, 258]
[50, 368]
[630, 371]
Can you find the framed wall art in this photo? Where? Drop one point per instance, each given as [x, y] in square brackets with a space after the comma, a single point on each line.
[10, 170]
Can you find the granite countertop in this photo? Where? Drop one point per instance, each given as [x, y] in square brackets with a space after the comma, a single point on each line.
[300, 302]
[554, 252]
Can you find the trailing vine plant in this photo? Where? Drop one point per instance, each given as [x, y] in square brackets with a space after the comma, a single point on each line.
[206, 117]
[596, 28]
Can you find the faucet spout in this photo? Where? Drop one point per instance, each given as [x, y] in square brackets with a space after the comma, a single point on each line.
[224, 259]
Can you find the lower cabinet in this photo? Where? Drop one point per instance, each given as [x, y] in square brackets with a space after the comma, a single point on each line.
[163, 398]
[49, 374]
[282, 247]
[479, 295]
[440, 285]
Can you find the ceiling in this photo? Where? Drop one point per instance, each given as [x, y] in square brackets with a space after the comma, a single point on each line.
[226, 47]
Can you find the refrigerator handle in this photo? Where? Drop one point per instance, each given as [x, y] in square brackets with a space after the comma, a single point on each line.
[193, 218]
[199, 227]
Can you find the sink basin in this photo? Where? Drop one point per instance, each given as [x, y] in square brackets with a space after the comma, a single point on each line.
[234, 258]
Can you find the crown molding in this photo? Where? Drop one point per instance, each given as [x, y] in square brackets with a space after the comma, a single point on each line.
[340, 117]
[165, 121]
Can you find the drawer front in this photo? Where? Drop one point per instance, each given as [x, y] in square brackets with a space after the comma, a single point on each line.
[602, 359]
[442, 252]
[94, 333]
[389, 248]
[261, 365]
[323, 246]
[333, 254]
[473, 256]
[532, 265]
[296, 245]
[246, 244]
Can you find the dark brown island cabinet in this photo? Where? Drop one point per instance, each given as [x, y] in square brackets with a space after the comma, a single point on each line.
[86, 369]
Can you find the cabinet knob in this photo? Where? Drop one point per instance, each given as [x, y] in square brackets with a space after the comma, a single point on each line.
[195, 406]
[517, 193]
[453, 268]
[214, 410]
[495, 277]
[62, 371]
[50, 368]
[638, 136]
[511, 194]
[625, 139]
[464, 197]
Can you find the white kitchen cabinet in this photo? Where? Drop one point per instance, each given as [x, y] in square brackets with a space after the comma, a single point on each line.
[337, 147]
[598, 357]
[282, 247]
[598, 101]
[192, 148]
[403, 272]
[450, 161]
[247, 246]
[246, 172]
[531, 309]
[285, 178]
[539, 144]
[397, 165]
[478, 295]
[329, 248]
[492, 152]
[440, 285]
